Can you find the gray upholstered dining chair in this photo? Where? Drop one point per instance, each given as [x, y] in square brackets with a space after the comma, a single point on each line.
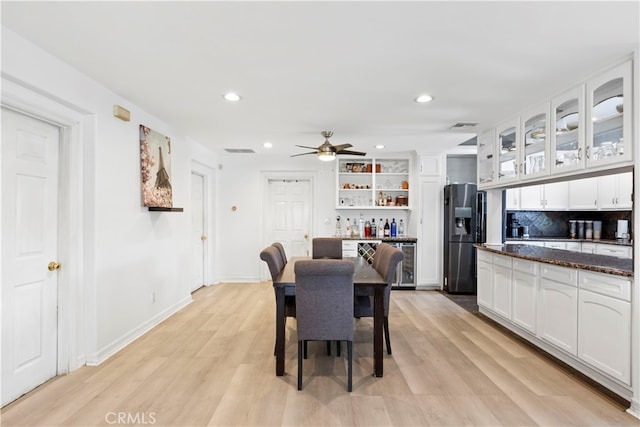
[281, 249]
[326, 247]
[271, 255]
[324, 306]
[388, 259]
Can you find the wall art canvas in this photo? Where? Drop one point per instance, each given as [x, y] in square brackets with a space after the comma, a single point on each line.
[155, 168]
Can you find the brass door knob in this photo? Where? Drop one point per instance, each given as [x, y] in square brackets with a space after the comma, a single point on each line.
[203, 237]
[53, 266]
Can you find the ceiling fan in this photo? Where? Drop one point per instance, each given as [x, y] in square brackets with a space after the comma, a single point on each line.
[327, 151]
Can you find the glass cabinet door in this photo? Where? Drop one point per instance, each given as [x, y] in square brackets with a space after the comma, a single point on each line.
[507, 136]
[609, 120]
[567, 142]
[486, 159]
[535, 149]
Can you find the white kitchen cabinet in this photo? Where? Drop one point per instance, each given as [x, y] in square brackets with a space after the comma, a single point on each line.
[363, 183]
[574, 246]
[486, 158]
[609, 117]
[604, 324]
[524, 289]
[614, 250]
[502, 285]
[568, 141]
[484, 279]
[588, 248]
[507, 135]
[558, 307]
[615, 191]
[583, 194]
[512, 199]
[552, 196]
[534, 147]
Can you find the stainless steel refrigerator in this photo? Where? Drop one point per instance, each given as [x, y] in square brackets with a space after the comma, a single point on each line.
[464, 225]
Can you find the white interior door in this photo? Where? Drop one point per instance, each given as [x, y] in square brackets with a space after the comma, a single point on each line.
[289, 215]
[30, 150]
[198, 235]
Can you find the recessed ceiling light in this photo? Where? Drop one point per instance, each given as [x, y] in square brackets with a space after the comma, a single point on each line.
[267, 145]
[424, 98]
[379, 146]
[231, 96]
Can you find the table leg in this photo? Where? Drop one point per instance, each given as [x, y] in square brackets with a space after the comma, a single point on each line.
[280, 330]
[378, 325]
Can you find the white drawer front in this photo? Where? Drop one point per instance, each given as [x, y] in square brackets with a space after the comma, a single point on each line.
[525, 266]
[606, 284]
[613, 250]
[567, 276]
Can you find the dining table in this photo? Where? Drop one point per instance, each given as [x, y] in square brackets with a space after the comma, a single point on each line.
[366, 281]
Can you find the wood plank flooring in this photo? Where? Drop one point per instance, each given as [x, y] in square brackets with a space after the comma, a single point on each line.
[212, 364]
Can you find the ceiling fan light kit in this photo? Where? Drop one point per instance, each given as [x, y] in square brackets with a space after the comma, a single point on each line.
[327, 152]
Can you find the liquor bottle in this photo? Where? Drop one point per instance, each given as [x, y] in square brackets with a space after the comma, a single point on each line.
[338, 227]
[387, 229]
[380, 228]
[393, 227]
[361, 226]
[401, 229]
[355, 231]
[367, 229]
[347, 228]
[374, 227]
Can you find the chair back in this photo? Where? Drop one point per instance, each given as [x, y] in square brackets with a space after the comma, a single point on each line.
[387, 266]
[271, 255]
[281, 249]
[381, 247]
[326, 247]
[324, 299]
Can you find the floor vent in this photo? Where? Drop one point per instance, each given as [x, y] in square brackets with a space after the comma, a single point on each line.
[239, 150]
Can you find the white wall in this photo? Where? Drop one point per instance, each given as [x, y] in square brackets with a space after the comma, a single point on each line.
[129, 253]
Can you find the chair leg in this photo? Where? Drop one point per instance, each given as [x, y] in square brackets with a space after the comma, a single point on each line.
[349, 365]
[338, 347]
[328, 348]
[300, 350]
[305, 349]
[386, 334]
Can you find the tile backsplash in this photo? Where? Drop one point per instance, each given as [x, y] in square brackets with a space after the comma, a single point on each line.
[556, 223]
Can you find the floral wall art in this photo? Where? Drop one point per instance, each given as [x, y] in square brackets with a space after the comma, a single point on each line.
[155, 168]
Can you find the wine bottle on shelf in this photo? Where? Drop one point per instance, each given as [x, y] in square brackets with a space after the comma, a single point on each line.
[374, 227]
[380, 229]
[394, 227]
[401, 228]
[347, 228]
[387, 229]
[367, 229]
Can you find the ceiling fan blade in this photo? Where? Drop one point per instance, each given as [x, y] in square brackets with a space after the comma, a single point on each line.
[310, 148]
[342, 146]
[304, 154]
[353, 153]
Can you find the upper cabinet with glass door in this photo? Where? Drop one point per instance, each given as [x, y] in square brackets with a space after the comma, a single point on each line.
[507, 143]
[486, 159]
[608, 107]
[567, 141]
[534, 159]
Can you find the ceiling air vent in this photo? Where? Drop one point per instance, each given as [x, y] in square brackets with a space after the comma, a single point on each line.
[239, 150]
[463, 125]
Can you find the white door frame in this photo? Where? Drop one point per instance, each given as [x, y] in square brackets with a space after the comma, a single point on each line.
[76, 290]
[210, 263]
[265, 177]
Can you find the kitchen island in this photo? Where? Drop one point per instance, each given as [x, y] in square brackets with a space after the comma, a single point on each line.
[575, 306]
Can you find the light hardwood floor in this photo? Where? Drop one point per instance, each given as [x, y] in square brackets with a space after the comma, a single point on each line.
[212, 364]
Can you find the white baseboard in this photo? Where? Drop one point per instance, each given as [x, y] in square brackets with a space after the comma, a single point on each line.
[634, 409]
[120, 343]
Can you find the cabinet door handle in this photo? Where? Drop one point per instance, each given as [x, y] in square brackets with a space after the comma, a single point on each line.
[580, 153]
[588, 152]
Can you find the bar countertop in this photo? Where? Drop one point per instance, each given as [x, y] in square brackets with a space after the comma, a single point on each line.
[584, 261]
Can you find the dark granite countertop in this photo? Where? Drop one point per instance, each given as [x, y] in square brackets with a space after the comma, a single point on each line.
[584, 261]
[404, 239]
[620, 242]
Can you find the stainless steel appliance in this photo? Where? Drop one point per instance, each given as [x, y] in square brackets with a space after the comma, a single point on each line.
[406, 271]
[464, 225]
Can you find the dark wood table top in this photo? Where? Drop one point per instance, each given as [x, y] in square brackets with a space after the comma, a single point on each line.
[364, 273]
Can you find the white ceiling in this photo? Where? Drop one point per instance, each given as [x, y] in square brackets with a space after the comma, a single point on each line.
[350, 67]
